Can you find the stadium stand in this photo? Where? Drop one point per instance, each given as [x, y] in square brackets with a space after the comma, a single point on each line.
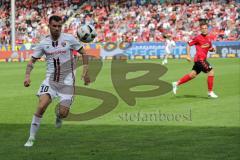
[137, 21]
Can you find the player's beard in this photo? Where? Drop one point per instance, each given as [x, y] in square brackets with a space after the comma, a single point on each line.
[55, 35]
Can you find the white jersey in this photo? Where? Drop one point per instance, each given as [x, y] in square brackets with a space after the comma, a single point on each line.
[59, 57]
[170, 44]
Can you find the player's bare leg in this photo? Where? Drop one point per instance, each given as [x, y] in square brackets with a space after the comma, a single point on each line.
[184, 79]
[62, 111]
[44, 101]
[210, 81]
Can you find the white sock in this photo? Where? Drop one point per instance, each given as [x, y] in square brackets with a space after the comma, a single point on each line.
[34, 126]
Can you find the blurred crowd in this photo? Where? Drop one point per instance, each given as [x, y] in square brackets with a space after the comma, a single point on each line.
[121, 20]
[31, 19]
[143, 22]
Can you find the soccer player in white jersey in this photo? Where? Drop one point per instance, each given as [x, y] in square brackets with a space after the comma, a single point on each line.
[169, 45]
[60, 75]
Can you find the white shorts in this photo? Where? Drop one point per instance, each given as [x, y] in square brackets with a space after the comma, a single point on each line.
[54, 89]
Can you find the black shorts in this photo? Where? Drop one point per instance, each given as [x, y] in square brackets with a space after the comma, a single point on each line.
[202, 65]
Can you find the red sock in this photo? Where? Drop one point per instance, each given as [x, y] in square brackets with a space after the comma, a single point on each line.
[184, 79]
[210, 83]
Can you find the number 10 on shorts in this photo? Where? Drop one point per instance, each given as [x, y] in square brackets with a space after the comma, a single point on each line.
[44, 88]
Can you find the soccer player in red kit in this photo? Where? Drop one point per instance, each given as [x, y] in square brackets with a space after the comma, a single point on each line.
[203, 45]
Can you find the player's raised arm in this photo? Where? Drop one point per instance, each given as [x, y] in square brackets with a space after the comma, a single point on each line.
[29, 68]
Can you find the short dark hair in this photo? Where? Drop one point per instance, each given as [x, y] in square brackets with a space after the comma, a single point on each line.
[54, 18]
[203, 22]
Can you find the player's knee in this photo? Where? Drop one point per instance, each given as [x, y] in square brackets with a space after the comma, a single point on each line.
[193, 75]
[211, 73]
[63, 112]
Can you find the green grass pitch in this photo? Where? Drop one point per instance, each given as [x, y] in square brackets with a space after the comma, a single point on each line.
[208, 129]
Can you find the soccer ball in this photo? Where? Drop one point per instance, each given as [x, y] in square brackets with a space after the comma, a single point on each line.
[86, 33]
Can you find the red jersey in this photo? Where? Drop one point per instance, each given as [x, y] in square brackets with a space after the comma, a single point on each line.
[203, 44]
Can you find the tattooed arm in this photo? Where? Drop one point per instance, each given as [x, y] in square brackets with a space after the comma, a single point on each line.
[29, 68]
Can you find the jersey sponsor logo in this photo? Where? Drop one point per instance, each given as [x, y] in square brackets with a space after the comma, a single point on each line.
[57, 52]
